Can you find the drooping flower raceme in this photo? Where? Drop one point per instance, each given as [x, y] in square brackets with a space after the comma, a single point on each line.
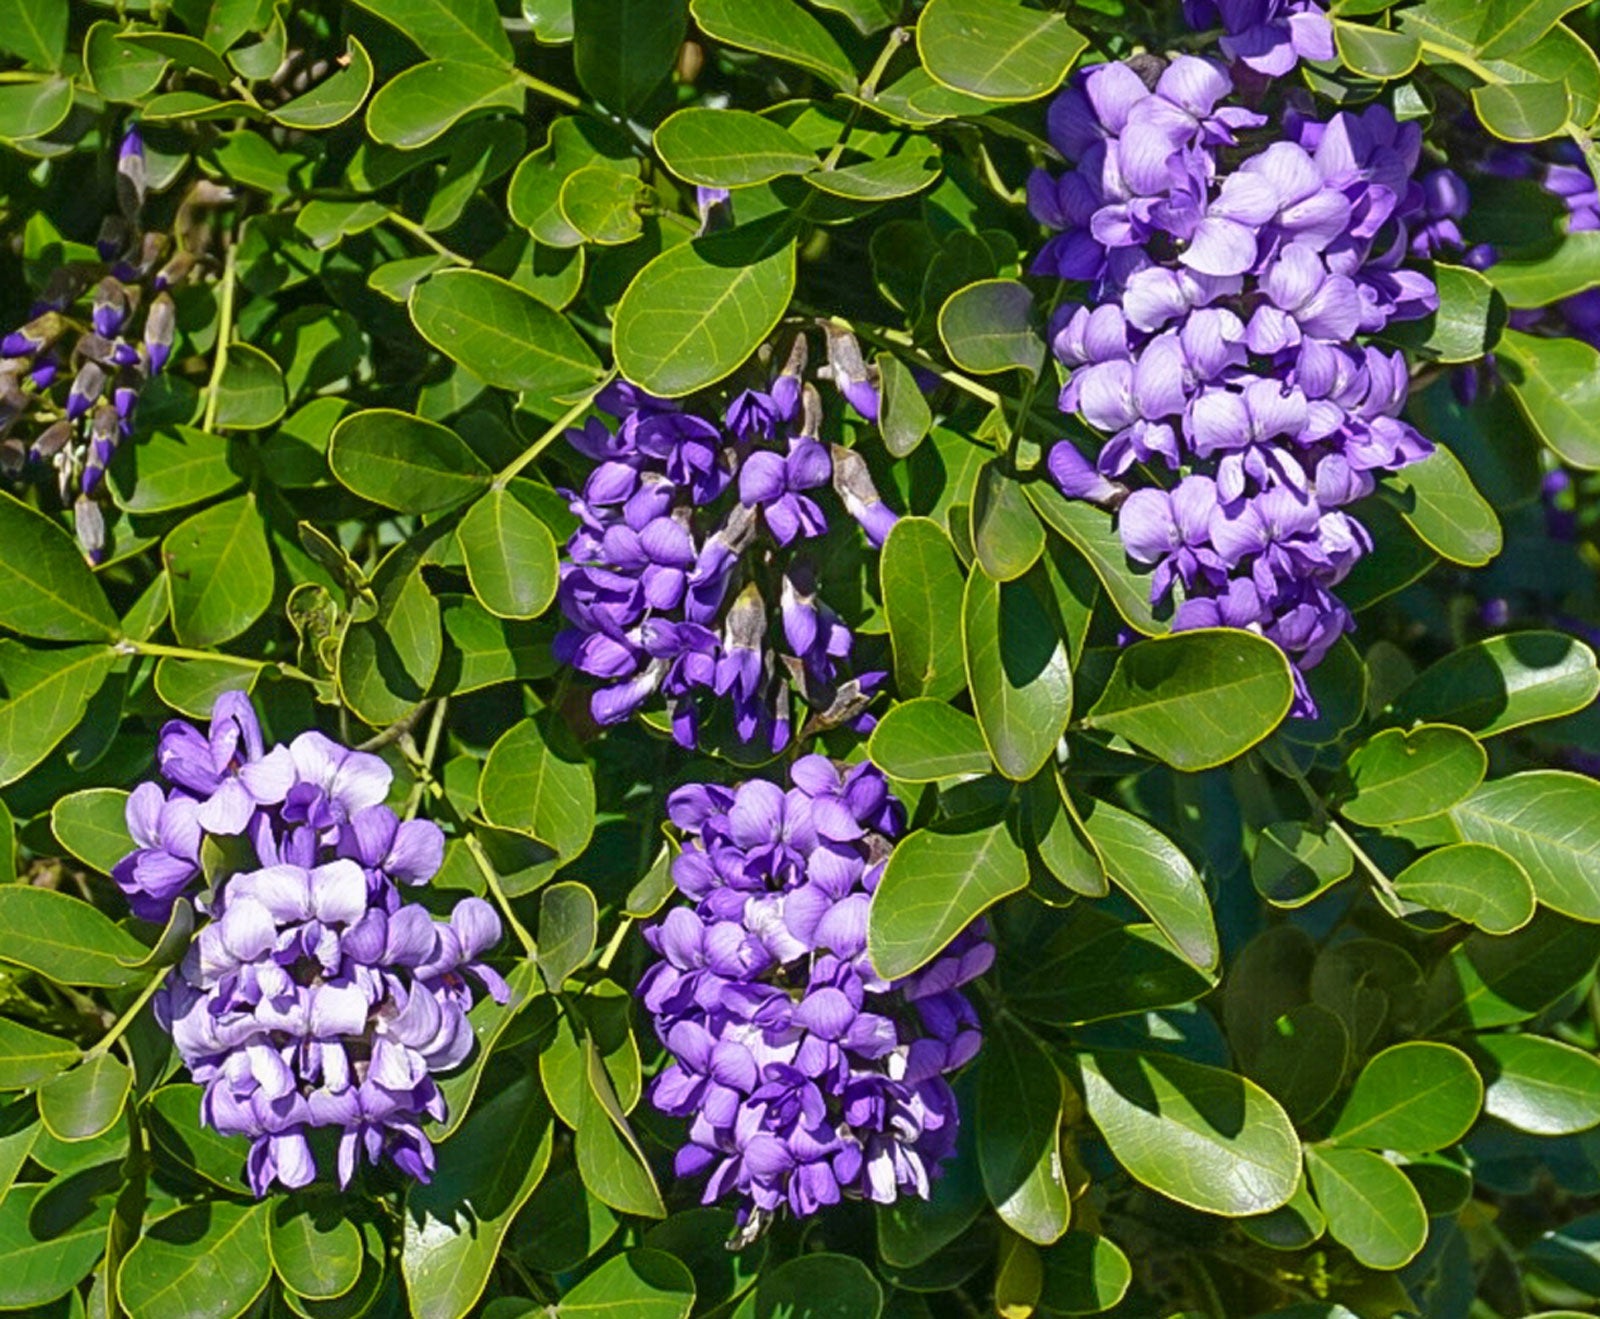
[314, 995]
[1217, 347]
[805, 1076]
[686, 580]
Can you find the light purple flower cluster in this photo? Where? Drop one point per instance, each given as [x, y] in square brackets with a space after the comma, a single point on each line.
[805, 1075]
[1267, 36]
[106, 366]
[314, 996]
[1217, 349]
[686, 550]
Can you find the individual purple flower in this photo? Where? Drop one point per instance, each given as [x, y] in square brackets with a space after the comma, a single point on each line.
[167, 861]
[228, 769]
[776, 484]
[1269, 36]
[806, 1078]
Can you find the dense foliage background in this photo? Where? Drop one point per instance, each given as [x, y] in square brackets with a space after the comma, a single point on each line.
[1289, 1016]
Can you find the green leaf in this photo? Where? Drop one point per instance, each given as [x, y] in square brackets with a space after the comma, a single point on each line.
[905, 417]
[502, 334]
[1504, 682]
[1412, 1098]
[467, 30]
[1556, 383]
[1083, 1274]
[120, 72]
[913, 164]
[46, 589]
[610, 1159]
[209, 1261]
[29, 1057]
[603, 204]
[91, 824]
[815, 1286]
[640, 1284]
[568, 921]
[65, 939]
[36, 1268]
[510, 556]
[565, 1225]
[87, 1101]
[428, 100]
[1437, 499]
[781, 29]
[925, 739]
[996, 49]
[1018, 671]
[1151, 870]
[1201, 1136]
[988, 327]
[530, 787]
[1005, 530]
[335, 98]
[1538, 1085]
[1567, 271]
[173, 1114]
[1090, 531]
[935, 885]
[251, 395]
[1376, 52]
[622, 50]
[697, 311]
[1020, 1101]
[404, 462]
[922, 587]
[1548, 821]
[482, 650]
[171, 469]
[31, 109]
[1513, 25]
[35, 31]
[1400, 775]
[219, 572]
[1302, 1057]
[1487, 981]
[1370, 1205]
[1058, 838]
[46, 694]
[1477, 884]
[534, 194]
[1523, 111]
[453, 1226]
[192, 686]
[185, 51]
[1294, 864]
[388, 663]
[489, 1021]
[1196, 699]
[1466, 324]
[729, 148]
[316, 1249]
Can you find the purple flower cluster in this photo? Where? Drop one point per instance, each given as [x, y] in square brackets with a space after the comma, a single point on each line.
[1269, 37]
[686, 550]
[314, 996]
[1217, 349]
[106, 366]
[805, 1075]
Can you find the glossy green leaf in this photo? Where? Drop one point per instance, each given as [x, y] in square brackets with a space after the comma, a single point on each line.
[1400, 775]
[34, 1269]
[996, 50]
[610, 1159]
[1019, 1121]
[1567, 271]
[568, 922]
[1005, 531]
[46, 588]
[1548, 821]
[1556, 383]
[316, 1249]
[91, 825]
[1376, 52]
[209, 1261]
[35, 31]
[481, 650]
[251, 394]
[173, 1116]
[510, 556]
[453, 1226]
[1091, 532]
[922, 590]
[729, 148]
[925, 739]
[781, 29]
[219, 572]
[815, 1286]
[1197, 699]
[119, 71]
[1539, 1085]
[428, 100]
[388, 663]
[45, 695]
[87, 1101]
[912, 166]
[505, 336]
[532, 787]
[1504, 682]
[172, 469]
[333, 100]
[1370, 1206]
[1513, 25]
[1474, 883]
[1155, 873]
[1491, 980]
[575, 143]
[1083, 1274]
[66, 939]
[467, 30]
[1465, 325]
[603, 205]
[697, 311]
[905, 417]
[1056, 835]
[1523, 111]
[1018, 672]
[935, 885]
[1202, 1136]
[30, 1057]
[1437, 499]
[404, 462]
[622, 50]
[641, 1284]
[1411, 1098]
[988, 327]
[186, 51]
[32, 109]
[1294, 863]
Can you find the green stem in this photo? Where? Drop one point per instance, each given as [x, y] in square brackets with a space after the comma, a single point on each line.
[411, 227]
[1031, 389]
[612, 948]
[557, 429]
[219, 361]
[430, 749]
[126, 1019]
[492, 879]
[869, 85]
[128, 646]
[902, 342]
[1367, 863]
[557, 94]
